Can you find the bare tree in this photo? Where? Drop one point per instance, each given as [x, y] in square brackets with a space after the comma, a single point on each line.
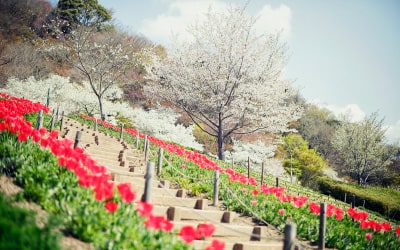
[227, 79]
[22, 60]
[362, 148]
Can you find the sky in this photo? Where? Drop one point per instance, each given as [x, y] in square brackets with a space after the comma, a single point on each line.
[343, 54]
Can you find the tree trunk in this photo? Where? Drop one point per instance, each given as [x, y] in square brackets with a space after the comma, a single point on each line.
[102, 115]
[221, 155]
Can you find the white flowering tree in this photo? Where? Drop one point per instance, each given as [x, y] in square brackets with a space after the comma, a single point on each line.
[362, 147]
[103, 58]
[227, 78]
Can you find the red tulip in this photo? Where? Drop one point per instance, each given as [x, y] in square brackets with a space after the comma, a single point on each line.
[144, 209]
[188, 234]
[126, 193]
[111, 206]
[216, 245]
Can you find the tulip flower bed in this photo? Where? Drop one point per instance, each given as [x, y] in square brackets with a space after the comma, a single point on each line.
[347, 228]
[81, 192]
[112, 220]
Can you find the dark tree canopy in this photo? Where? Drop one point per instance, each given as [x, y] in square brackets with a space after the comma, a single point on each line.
[82, 12]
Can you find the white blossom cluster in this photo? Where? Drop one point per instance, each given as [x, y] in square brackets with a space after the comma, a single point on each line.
[257, 152]
[161, 123]
[63, 93]
[68, 96]
[71, 97]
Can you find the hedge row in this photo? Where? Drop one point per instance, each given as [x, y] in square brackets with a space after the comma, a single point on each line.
[382, 200]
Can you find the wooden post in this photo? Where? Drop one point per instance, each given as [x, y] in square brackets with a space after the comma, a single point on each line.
[149, 179]
[146, 148]
[95, 124]
[39, 121]
[77, 138]
[277, 182]
[121, 132]
[53, 117]
[353, 204]
[159, 163]
[290, 236]
[248, 167]
[62, 121]
[58, 109]
[262, 173]
[322, 227]
[216, 182]
[48, 97]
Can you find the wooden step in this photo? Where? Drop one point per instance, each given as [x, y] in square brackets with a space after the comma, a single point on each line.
[228, 231]
[240, 245]
[186, 214]
[167, 200]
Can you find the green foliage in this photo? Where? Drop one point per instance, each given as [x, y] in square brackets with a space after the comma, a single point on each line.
[209, 142]
[382, 200]
[19, 231]
[10, 159]
[306, 163]
[124, 120]
[82, 12]
[56, 190]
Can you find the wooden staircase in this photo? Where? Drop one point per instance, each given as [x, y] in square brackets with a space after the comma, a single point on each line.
[127, 164]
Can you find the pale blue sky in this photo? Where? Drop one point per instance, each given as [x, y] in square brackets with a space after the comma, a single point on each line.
[344, 54]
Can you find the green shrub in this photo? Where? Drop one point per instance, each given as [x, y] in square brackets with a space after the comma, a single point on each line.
[382, 200]
[19, 231]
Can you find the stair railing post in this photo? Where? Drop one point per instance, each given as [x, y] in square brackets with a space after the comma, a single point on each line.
[149, 177]
[215, 191]
[121, 132]
[248, 167]
[322, 227]
[262, 173]
[77, 138]
[353, 204]
[48, 98]
[39, 121]
[290, 236]
[62, 120]
[58, 109]
[146, 149]
[53, 118]
[159, 162]
[95, 124]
